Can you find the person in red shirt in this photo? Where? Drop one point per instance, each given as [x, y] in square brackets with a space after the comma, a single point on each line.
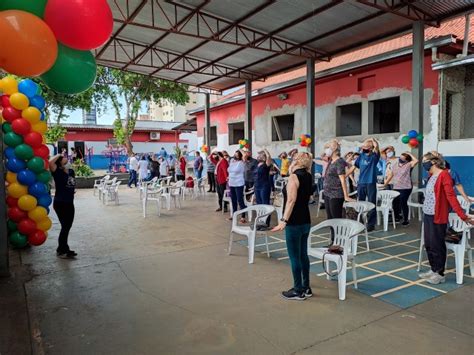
[221, 177]
[439, 197]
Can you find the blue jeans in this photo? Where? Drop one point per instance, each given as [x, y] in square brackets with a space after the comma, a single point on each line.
[297, 244]
[369, 192]
[262, 196]
[133, 178]
[237, 197]
[198, 173]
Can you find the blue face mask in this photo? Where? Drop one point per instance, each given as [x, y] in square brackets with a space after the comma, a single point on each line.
[401, 161]
[427, 165]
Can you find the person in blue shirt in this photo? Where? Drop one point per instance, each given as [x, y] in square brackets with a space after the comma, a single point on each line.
[458, 184]
[263, 187]
[367, 185]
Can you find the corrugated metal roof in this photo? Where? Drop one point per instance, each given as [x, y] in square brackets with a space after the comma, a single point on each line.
[219, 44]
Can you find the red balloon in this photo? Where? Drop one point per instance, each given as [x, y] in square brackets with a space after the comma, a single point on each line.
[42, 151]
[413, 142]
[36, 238]
[12, 202]
[80, 24]
[16, 215]
[21, 126]
[26, 226]
[5, 101]
[34, 139]
[9, 114]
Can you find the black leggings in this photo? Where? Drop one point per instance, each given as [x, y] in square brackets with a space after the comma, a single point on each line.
[334, 209]
[220, 193]
[65, 212]
[211, 177]
[400, 204]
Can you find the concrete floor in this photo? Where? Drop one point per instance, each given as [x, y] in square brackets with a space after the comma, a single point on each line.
[165, 285]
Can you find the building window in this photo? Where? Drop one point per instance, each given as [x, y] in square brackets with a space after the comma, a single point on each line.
[384, 115]
[236, 132]
[349, 120]
[213, 136]
[283, 127]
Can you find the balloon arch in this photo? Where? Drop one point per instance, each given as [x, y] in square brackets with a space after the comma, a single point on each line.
[50, 40]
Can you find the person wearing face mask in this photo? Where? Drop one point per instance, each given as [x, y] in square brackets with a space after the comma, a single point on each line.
[211, 169]
[439, 197]
[236, 178]
[367, 184]
[399, 175]
[335, 189]
[387, 158]
[262, 180]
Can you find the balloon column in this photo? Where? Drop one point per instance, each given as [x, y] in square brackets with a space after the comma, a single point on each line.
[26, 157]
[305, 140]
[412, 138]
[31, 29]
[204, 148]
[244, 143]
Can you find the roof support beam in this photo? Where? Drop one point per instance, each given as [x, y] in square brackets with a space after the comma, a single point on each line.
[248, 113]
[310, 103]
[4, 261]
[207, 119]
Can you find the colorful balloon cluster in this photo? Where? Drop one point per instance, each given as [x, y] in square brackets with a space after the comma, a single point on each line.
[413, 138]
[244, 143]
[204, 148]
[23, 126]
[31, 29]
[305, 140]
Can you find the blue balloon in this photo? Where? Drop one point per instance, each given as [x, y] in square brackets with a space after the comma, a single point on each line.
[38, 189]
[45, 201]
[10, 153]
[16, 165]
[28, 87]
[42, 116]
[26, 177]
[412, 134]
[38, 102]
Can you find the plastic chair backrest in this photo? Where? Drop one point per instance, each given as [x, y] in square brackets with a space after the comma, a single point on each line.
[106, 177]
[386, 197]
[114, 180]
[117, 185]
[456, 223]
[343, 229]
[360, 206]
[464, 204]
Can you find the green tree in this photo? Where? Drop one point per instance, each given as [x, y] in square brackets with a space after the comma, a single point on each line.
[128, 91]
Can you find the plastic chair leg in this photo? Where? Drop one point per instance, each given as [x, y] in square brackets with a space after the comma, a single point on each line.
[459, 259]
[251, 240]
[385, 220]
[422, 244]
[144, 207]
[354, 273]
[366, 234]
[341, 282]
[393, 220]
[266, 243]
[328, 269]
[471, 265]
[231, 239]
[317, 209]
[420, 213]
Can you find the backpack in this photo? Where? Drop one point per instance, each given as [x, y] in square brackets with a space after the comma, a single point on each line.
[189, 182]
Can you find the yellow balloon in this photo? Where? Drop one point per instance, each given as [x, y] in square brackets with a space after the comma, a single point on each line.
[19, 101]
[37, 214]
[31, 114]
[11, 177]
[44, 224]
[17, 190]
[9, 85]
[308, 140]
[27, 203]
[44, 140]
[40, 127]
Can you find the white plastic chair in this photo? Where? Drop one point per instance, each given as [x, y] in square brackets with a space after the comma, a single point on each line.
[105, 186]
[362, 208]
[466, 205]
[152, 194]
[175, 193]
[344, 231]
[200, 186]
[385, 198]
[227, 199]
[111, 193]
[278, 203]
[320, 202]
[250, 231]
[414, 204]
[249, 197]
[147, 183]
[459, 249]
[99, 183]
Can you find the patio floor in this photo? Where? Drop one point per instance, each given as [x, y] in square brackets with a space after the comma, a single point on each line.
[165, 285]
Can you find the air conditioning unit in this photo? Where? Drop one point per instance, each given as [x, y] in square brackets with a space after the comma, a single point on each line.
[155, 136]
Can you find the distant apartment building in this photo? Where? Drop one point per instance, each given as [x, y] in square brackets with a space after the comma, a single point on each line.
[170, 112]
[89, 117]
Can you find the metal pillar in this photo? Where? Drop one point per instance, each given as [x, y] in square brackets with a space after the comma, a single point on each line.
[207, 119]
[310, 115]
[248, 113]
[4, 264]
[418, 86]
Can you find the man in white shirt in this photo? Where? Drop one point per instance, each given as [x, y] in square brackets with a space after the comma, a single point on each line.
[133, 167]
[164, 168]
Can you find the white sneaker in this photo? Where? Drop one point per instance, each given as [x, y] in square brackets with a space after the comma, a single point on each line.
[436, 279]
[426, 275]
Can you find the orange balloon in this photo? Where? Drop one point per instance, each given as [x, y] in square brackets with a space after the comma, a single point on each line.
[28, 46]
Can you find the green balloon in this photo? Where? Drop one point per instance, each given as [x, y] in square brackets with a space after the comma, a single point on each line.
[6, 127]
[11, 226]
[18, 240]
[24, 151]
[36, 7]
[405, 139]
[420, 137]
[12, 139]
[36, 164]
[44, 177]
[73, 72]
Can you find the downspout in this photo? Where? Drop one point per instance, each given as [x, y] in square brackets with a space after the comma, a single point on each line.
[467, 28]
[434, 55]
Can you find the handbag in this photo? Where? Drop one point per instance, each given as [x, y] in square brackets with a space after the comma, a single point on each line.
[452, 236]
[334, 250]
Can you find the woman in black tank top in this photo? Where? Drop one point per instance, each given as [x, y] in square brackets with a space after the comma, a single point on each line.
[296, 222]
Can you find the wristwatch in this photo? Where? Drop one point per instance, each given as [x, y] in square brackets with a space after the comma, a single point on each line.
[284, 220]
